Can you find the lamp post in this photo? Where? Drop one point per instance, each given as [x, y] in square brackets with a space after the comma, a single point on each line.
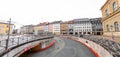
[112, 32]
[7, 41]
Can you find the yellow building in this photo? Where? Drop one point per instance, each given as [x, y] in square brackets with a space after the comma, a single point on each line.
[111, 18]
[4, 28]
[39, 28]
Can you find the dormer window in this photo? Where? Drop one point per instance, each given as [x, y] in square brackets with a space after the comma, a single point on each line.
[114, 6]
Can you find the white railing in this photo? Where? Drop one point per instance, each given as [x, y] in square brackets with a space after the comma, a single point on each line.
[16, 41]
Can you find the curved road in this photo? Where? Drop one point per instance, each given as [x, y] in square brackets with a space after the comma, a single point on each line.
[64, 48]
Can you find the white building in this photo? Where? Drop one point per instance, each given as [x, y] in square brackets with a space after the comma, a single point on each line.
[56, 27]
[82, 26]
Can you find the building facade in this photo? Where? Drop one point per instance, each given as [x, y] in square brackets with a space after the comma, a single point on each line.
[111, 18]
[56, 27]
[50, 27]
[37, 29]
[46, 27]
[96, 26]
[64, 28]
[4, 28]
[40, 28]
[27, 29]
[82, 26]
[70, 27]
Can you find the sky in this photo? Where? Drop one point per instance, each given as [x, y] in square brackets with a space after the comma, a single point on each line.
[25, 12]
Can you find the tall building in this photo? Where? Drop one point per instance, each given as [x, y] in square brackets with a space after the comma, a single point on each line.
[111, 18]
[4, 28]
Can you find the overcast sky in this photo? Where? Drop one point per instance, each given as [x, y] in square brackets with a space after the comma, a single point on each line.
[34, 11]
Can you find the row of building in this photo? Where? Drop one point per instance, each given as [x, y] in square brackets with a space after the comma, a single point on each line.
[108, 25]
[74, 27]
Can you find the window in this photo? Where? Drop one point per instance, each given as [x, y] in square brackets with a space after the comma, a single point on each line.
[107, 28]
[116, 26]
[106, 12]
[114, 6]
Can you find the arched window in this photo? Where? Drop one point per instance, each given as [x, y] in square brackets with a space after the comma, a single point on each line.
[116, 26]
[114, 6]
[107, 26]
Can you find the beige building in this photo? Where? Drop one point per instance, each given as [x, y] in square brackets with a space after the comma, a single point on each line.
[39, 29]
[4, 28]
[64, 28]
[111, 18]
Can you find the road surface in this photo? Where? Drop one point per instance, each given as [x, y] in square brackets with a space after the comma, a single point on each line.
[64, 48]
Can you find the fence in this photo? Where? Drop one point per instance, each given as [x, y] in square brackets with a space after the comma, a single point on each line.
[17, 41]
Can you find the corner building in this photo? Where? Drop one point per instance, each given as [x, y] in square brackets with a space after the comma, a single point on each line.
[111, 18]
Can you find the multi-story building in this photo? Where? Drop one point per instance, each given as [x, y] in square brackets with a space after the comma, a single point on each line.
[70, 27]
[27, 29]
[4, 28]
[96, 26]
[64, 28]
[40, 28]
[56, 27]
[50, 27]
[46, 27]
[111, 18]
[37, 29]
[82, 26]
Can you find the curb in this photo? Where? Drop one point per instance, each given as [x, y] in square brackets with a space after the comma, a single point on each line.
[91, 49]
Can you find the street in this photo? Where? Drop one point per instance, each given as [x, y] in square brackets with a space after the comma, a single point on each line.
[64, 48]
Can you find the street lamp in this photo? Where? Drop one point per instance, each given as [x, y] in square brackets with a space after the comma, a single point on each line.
[112, 32]
[7, 41]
